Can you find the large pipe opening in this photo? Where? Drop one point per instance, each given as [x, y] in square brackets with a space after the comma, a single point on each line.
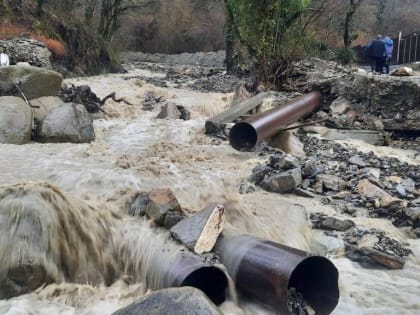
[316, 278]
[211, 280]
[243, 136]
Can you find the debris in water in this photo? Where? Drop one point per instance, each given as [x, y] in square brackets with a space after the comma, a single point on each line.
[297, 305]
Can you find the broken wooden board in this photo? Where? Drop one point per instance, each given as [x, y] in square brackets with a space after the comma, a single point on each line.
[368, 136]
[200, 231]
[214, 124]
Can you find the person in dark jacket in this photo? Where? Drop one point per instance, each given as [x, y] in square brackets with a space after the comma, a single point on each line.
[376, 51]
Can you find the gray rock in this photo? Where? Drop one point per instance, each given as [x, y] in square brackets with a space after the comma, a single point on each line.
[161, 202]
[45, 104]
[304, 193]
[172, 218]
[331, 182]
[340, 106]
[259, 172]
[324, 245]
[282, 182]
[331, 223]
[371, 172]
[413, 213]
[310, 169]
[26, 49]
[66, 123]
[174, 301]
[408, 184]
[283, 161]
[138, 207]
[15, 120]
[357, 160]
[200, 231]
[173, 111]
[33, 81]
[400, 190]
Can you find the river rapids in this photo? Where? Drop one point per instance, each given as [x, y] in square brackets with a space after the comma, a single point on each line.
[135, 152]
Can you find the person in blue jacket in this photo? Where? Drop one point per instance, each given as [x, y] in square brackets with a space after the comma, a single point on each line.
[389, 47]
[376, 52]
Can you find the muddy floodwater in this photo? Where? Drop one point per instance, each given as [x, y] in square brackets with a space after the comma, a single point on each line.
[135, 152]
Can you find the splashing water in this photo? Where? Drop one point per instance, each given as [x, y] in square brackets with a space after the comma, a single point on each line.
[135, 152]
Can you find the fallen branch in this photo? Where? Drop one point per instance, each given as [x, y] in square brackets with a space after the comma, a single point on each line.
[113, 97]
[23, 94]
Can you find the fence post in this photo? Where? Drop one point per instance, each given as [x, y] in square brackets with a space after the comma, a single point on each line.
[410, 50]
[398, 50]
[415, 50]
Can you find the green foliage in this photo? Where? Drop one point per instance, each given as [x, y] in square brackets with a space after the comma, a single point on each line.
[269, 32]
[345, 55]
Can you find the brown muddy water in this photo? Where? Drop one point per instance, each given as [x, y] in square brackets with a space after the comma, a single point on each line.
[135, 152]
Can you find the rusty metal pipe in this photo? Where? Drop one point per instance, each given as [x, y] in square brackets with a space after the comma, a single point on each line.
[265, 271]
[187, 269]
[245, 135]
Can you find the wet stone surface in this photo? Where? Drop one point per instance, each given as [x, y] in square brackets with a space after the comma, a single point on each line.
[372, 248]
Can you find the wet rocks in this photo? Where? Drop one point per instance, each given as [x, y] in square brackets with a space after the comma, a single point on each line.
[331, 182]
[173, 111]
[160, 203]
[371, 191]
[324, 222]
[66, 123]
[358, 183]
[33, 82]
[200, 231]
[137, 207]
[15, 120]
[25, 49]
[374, 248]
[283, 181]
[176, 301]
[44, 105]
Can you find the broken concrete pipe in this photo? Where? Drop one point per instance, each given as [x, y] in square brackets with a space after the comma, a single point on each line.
[266, 272]
[188, 269]
[245, 135]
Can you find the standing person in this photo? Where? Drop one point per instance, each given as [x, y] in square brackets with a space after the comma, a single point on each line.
[369, 56]
[376, 51]
[389, 47]
[4, 59]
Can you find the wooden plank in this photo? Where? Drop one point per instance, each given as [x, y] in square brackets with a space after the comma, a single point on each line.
[214, 124]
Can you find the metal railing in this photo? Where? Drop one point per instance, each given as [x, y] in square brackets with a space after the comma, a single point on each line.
[408, 48]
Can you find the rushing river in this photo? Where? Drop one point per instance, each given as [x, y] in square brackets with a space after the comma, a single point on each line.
[135, 152]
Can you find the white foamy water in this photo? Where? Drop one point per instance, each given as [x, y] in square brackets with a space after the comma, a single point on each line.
[135, 152]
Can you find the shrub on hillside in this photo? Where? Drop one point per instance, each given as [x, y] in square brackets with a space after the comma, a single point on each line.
[346, 56]
[53, 45]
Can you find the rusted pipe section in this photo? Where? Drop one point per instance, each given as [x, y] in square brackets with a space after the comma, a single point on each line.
[188, 269]
[245, 135]
[265, 271]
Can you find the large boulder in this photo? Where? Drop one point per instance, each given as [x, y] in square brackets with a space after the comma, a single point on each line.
[174, 301]
[66, 123]
[15, 120]
[24, 49]
[34, 82]
[44, 105]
